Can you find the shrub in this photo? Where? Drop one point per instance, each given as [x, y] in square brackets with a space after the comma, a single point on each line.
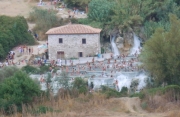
[16, 90]
[80, 85]
[29, 69]
[41, 70]
[44, 109]
[140, 95]
[113, 93]
[8, 71]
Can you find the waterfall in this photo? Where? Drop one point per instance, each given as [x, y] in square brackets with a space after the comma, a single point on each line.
[114, 47]
[124, 80]
[135, 48]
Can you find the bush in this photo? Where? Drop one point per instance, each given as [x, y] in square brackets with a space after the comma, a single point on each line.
[8, 71]
[80, 85]
[16, 90]
[140, 95]
[44, 109]
[29, 69]
[41, 70]
[113, 93]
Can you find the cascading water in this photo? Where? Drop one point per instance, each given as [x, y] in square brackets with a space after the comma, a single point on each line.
[126, 81]
[136, 46]
[114, 47]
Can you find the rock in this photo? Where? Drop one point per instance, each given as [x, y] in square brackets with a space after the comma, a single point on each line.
[119, 40]
[120, 45]
[129, 39]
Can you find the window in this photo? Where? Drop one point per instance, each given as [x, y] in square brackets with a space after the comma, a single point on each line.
[83, 41]
[80, 54]
[60, 40]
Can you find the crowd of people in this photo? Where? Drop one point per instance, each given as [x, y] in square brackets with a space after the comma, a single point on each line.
[20, 50]
[110, 65]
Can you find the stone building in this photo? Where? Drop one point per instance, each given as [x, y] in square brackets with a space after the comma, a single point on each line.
[73, 41]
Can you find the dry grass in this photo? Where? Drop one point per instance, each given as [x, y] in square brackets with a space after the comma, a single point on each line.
[163, 103]
[175, 113]
[85, 105]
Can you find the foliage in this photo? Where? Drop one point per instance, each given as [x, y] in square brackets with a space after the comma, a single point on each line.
[140, 95]
[44, 19]
[6, 72]
[161, 54]
[100, 10]
[29, 69]
[64, 80]
[41, 70]
[80, 85]
[48, 81]
[102, 50]
[16, 90]
[113, 93]
[151, 26]
[43, 109]
[126, 14]
[90, 22]
[13, 32]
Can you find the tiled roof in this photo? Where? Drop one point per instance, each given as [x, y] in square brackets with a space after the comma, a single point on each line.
[73, 29]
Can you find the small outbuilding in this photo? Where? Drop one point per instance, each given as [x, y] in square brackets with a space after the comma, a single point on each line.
[73, 41]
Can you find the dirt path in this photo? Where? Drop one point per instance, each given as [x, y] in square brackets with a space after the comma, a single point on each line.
[20, 59]
[134, 109]
[14, 8]
[23, 7]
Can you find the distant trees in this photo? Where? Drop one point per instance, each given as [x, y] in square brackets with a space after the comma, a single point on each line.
[141, 16]
[44, 20]
[13, 32]
[100, 10]
[161, 54]
[16, 90]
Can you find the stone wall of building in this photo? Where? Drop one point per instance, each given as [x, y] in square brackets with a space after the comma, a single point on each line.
[72, 45]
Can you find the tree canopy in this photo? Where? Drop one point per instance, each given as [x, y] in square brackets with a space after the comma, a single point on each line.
[161, 54]
[16, 90]
[100, 10]
[125, 15]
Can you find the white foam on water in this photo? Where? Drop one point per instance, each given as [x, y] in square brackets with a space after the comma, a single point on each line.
[136, 46]
[142, 81]
[125, 80]
[114, 47]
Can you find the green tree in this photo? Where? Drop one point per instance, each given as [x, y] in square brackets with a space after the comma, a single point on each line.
[16, 90]
[161, 54]
[100, 10]
[64, 80]
[80, 85]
